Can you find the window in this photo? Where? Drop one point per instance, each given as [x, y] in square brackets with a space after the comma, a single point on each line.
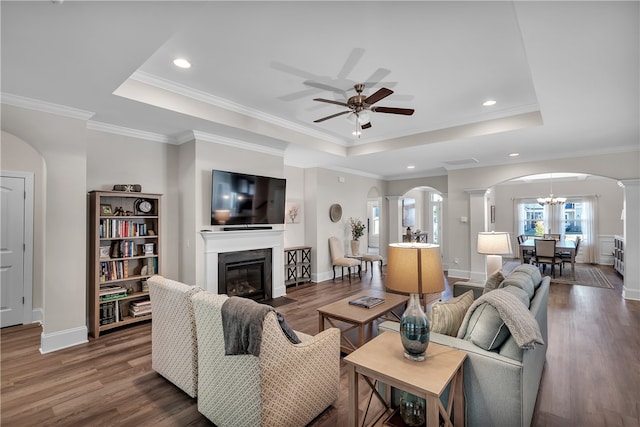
[531, 219]
[436, 209]
[534, 219]
[573, 219]
[374, 229]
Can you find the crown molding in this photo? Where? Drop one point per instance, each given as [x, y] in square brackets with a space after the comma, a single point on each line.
[133, 133]
[44, 106]
[207, 98]
[217, 139]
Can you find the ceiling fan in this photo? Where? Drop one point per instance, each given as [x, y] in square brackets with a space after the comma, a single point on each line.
[360, 105]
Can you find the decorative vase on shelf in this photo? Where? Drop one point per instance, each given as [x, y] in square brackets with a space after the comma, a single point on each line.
[413, 409]
[414, 330]
[355, 247]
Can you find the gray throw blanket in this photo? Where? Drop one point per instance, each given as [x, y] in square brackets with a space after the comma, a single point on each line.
[242, 320]
[523, 326]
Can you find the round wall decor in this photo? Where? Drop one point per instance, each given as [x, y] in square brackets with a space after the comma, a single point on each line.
[335, 212]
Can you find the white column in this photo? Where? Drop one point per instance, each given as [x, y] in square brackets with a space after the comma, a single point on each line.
[477, 222]
[631, 288]
[395, 216]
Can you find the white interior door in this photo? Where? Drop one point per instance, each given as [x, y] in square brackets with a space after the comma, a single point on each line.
[12, 243]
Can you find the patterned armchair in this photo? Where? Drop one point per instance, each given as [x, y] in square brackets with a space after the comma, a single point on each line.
[174, 350]
[287, 385]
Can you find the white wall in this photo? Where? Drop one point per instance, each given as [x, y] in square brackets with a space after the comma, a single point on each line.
[324, 187]
[294, 231]
[115, 159]
[61, 142]
[211, 155]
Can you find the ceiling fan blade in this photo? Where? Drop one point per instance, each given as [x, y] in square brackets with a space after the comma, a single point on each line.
[298, 95]
[331, 116]
[366, 125]
[330, 101]
[377, 77]
[391, 110]
[292, 70]
[378, 95]
[352, 60]
[323, 86]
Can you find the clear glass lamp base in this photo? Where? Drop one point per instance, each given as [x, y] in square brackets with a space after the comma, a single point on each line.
[415, 357]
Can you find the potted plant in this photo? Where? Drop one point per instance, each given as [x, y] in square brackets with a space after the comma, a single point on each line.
[357, 231]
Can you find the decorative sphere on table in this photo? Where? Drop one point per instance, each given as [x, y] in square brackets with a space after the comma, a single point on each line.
[414, 330]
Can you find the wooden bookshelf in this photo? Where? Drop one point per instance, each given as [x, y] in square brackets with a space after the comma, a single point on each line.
[124, 242]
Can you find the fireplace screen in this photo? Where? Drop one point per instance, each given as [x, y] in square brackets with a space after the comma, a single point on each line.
[245, 274]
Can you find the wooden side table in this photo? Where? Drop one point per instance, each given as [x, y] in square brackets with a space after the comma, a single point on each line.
[382, 359]
[341, 312]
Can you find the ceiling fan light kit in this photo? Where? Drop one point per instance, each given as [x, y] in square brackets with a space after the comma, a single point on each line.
[360, 105]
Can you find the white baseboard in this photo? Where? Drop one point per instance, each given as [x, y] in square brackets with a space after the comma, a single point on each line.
[630, 294]
[62, 339]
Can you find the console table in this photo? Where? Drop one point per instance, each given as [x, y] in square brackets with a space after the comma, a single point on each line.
[297, 265]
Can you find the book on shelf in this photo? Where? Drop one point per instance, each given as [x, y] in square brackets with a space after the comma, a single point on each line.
[367, 301]
[111, 292]
[139, 308]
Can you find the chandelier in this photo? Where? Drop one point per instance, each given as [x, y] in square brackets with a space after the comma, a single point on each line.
[552, 200]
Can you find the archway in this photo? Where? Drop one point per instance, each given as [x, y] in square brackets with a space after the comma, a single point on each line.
[422, 210]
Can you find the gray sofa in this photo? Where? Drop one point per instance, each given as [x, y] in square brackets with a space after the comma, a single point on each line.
[501, 385]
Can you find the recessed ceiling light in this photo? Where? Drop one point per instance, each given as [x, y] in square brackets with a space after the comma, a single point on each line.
[514, 154]
[411, 167]
[182, 63]
[356, 133]
[489, 102]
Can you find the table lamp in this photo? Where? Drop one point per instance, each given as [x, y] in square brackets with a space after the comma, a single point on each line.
[494, 244]
[415, 269]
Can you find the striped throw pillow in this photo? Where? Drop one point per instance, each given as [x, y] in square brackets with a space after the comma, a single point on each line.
[446, 317]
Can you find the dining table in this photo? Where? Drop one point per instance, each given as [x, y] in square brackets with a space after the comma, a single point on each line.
[562, 245]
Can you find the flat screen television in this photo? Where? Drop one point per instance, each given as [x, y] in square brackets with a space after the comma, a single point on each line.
[242, 199]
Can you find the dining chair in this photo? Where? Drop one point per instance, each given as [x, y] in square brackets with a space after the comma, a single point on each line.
[338, 258]
[566, 256]
[546, 254]
[527, 254]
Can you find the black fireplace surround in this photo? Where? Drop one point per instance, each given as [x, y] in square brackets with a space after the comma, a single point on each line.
[245, 274]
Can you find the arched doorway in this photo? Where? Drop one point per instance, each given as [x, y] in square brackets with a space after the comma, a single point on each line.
[592, 210]
[422, 214]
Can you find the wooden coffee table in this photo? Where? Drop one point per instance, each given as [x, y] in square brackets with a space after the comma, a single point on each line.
[358, 317]
[383, 359]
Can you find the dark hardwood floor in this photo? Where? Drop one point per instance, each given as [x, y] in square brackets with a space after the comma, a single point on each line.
[591, 376]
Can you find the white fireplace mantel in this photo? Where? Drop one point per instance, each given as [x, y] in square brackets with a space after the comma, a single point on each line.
[216, 242]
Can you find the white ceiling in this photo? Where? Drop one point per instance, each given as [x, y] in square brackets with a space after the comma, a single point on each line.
[564, 75]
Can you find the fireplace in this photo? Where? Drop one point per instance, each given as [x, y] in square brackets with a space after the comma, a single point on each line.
[245, 274]
[223, 242]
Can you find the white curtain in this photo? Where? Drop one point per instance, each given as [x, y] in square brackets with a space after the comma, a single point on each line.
[589, 244]
[554, 219]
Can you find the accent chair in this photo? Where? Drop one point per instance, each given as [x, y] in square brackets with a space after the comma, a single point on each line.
[174, 349]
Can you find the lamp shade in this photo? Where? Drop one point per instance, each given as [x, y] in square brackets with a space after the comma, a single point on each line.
[494, 243]
[414, 268]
